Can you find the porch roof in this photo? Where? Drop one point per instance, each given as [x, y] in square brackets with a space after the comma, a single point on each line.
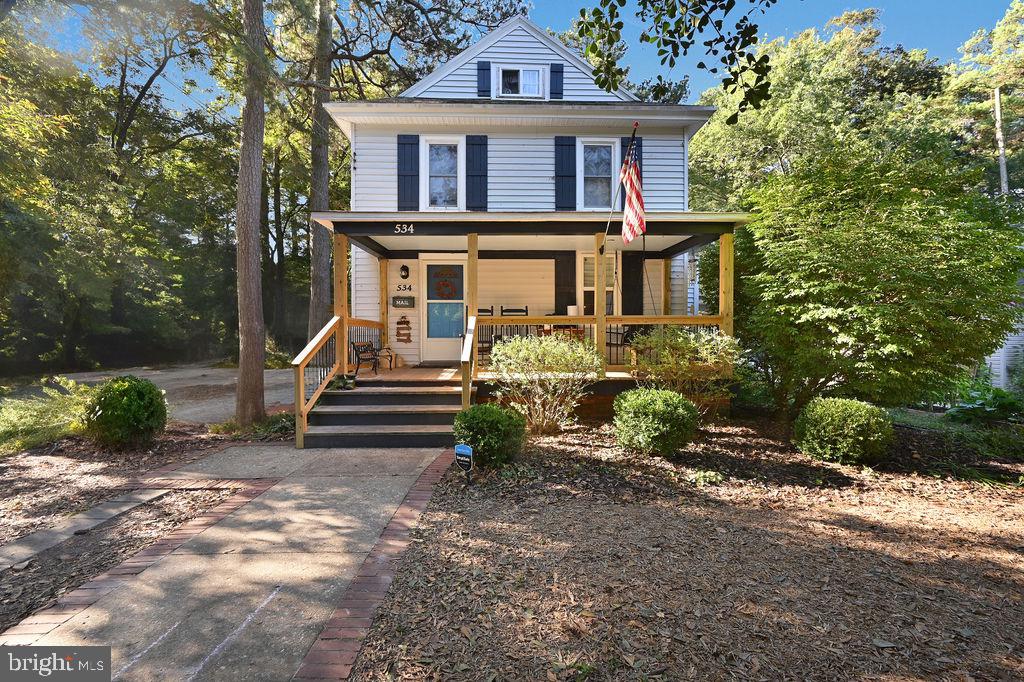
[384, 233]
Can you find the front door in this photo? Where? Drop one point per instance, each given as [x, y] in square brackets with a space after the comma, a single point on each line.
[444, 312]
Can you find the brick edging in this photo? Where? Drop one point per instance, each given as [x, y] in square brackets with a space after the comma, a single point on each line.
[49, 618]
[334, 652]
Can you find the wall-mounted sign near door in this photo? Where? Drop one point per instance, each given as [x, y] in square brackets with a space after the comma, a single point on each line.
[403, 301]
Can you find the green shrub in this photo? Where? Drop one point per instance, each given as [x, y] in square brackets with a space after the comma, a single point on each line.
[697, 363]
[126, 411]
[985, 406]
[544, 377]
[496, 434]
[654, 421]
[30, 422]
[842, 430]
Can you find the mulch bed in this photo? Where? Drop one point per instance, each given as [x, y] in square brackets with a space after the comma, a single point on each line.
[38, 582]
[41, 487]
[584, 562]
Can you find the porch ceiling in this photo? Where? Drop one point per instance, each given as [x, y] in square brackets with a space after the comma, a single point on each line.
[541, 242]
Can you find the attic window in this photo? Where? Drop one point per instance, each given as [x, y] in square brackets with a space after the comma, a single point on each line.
[519, 82]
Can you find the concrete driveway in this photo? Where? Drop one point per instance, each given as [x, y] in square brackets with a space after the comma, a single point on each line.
[202, 393]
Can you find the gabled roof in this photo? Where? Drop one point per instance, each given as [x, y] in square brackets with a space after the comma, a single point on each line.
[471, 52]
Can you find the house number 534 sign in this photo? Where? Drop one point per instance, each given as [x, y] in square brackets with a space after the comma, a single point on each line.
[405, 228]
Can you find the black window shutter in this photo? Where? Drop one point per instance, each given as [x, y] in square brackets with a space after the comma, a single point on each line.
[408, 172]
[557, 80]
[632, 283]
[483, 79]
[565, 173]
[565, 282]
[640, 158]
[476, 172]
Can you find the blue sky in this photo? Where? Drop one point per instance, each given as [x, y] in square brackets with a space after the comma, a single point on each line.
[940, 26]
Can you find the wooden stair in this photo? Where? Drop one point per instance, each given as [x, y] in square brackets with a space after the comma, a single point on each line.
[381, 413]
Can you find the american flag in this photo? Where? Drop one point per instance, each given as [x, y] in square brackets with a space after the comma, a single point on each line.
[633, 222]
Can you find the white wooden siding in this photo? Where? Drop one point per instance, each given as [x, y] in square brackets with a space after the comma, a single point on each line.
[409, 352]
[685, 294]
[519, 47]
[515, 283]
[520, 171]
[652, 286]
[665, 175]
[374, 170]
[365, 285]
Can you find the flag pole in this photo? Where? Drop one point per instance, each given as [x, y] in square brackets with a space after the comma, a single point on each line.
[618, 186]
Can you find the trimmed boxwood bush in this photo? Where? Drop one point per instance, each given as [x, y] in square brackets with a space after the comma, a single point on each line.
[495, 433]
[126, 412]
[654, 421]
[843, 430]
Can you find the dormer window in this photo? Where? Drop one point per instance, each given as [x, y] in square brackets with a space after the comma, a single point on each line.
[520, 82]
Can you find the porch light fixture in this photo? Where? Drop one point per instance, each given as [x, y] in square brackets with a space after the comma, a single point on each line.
[403, 272]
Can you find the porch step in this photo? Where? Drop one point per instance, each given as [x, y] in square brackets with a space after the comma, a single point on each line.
[386, 414]
[396, 436]
[383, 414]
[391, 394]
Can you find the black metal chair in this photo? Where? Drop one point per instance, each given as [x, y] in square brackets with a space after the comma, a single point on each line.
[519, 329]
[364, 352]
[485, 312]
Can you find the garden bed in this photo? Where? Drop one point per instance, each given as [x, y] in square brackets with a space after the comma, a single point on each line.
[42, 486]
[741, 559]
[39, 581]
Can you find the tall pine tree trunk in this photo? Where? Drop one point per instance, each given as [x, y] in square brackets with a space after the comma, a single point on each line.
[319, 238]
[251, 334]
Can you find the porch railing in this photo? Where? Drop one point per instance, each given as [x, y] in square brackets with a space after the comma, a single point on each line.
[467, 361]
[314, 368]
[618, 330]
[322, 359]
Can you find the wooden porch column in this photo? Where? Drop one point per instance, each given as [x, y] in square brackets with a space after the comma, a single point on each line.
[472, 282]
[725, 282]
[600, 298]
[341, 299]
[382, 283]
[666, 286]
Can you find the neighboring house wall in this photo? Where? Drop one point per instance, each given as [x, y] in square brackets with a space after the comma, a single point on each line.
[520, 170]
[519, 47]
[1003, 360]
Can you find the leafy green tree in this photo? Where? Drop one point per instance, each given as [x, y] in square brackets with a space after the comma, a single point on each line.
[876, 278]
[676, 28]
[876, 265]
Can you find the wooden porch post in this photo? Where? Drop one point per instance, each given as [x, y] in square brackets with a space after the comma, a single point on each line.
[341, 299]
[600, 298]
[382, 283]
[666, 286]
[725, 282]
[472, 282]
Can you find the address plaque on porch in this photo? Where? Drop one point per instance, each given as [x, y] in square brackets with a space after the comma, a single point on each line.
[403, 302]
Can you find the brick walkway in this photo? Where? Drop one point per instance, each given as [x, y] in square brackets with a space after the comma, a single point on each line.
[335, 650]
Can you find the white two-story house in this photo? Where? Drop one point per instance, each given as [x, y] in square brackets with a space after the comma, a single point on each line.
[481, 201]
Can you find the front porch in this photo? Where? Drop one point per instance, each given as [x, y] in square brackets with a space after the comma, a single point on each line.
[440, 289]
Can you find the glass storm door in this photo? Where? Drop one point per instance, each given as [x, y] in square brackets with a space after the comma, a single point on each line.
[445, 311]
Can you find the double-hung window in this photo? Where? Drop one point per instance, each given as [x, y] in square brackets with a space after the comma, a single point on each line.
[596, 163]
[520, 81]
[442, 173]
